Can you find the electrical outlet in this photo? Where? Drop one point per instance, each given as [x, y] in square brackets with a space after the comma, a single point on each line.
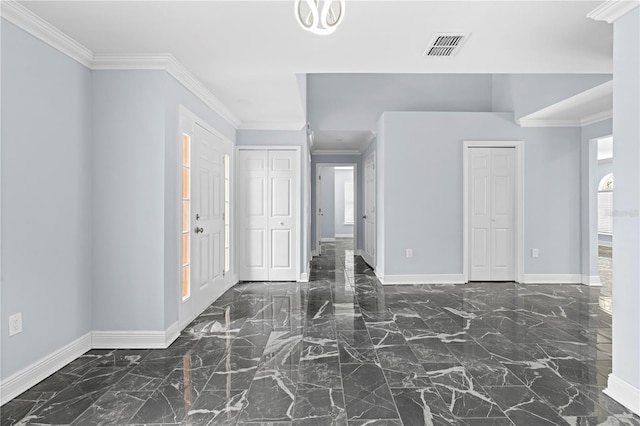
[534, 252]
[409, 253]
[15, 324]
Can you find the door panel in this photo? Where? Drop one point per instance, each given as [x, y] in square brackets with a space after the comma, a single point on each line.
[283, 176]
[253, 172]
[369, 219]
[492, 214]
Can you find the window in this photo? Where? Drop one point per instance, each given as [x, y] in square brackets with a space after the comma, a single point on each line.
[348, 203]
[225, 218]
[605, 205]
[186, 216]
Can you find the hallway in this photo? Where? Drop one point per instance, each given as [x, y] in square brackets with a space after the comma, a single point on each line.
[343, 350]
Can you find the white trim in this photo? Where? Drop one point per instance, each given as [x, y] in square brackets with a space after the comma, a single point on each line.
[519, 208]
[359, 252]
[29, 376]
[612, 10]
[304, 278]
[327, 240]
[28, 21]
[265, 125]
[591, 280]
[314, 253]
[337, 152]
[172, 66]
[423, 279]
[585, 121]
[623, 392]
[552, 279]
[131, 339]
[364, 147]
[345, 235]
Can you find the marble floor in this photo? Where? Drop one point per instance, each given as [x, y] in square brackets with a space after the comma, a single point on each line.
[343, 350]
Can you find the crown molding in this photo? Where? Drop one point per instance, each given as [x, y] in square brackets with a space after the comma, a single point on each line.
[171, 65]
[28, 21]
[596, 118]
[266, 125]
[612, 10]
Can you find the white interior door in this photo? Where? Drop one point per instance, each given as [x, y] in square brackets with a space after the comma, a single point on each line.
[369, 216]
[254, 221]
[492, 214]
[269, 208]
[319, 213]
[207, 243]
[283, 215]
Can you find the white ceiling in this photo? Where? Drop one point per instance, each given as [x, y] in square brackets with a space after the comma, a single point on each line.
[248, 53]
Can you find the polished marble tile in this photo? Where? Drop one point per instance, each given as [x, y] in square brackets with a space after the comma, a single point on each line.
[344, 350]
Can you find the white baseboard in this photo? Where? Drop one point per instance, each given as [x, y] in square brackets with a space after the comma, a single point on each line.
[422, 279]
[314, 253]
[327, 240]
[359, 252]
[591, 280]
[552, 279]
[304, 278]
[344, 235]
[31, 375]
[624, 393]
[127, 339]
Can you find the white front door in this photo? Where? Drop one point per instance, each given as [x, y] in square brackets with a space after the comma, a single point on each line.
[492, 214]
[269, 198]
[369, 217]
[207, 244]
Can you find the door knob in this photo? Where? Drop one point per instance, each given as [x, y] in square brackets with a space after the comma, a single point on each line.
[281, 223]
[364, 216]
[199, 230]
[197, 216]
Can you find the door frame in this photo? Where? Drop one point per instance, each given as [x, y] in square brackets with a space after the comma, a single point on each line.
[371, 156]
[356, 195]
[187, 121]
[298, 150]
[519, 203]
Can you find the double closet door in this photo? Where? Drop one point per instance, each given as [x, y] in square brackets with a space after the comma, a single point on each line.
[269, 193]
[492, 194]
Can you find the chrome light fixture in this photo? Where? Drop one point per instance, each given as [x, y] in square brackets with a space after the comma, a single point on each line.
[319, 16]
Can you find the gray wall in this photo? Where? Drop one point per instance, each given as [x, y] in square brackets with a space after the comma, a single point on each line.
[626, 203]
[420, 173]
[355, 101]
[46, 198]
[327, 197]
[128, 200]
[341, 178]
[532, 92]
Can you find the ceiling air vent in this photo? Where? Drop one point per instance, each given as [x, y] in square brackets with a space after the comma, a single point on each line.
[445, 44]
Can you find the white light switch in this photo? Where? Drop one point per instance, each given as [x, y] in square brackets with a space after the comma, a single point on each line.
[534, 252]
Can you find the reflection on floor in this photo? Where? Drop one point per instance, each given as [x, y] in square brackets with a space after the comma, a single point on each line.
[343, 350]
[605, 267]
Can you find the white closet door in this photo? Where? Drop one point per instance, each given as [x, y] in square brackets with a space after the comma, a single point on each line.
[269, 207]
[253, 212]
[369, 217]
[492, 214]
[283, 213]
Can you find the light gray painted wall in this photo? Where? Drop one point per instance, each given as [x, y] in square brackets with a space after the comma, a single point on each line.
[626, 203]
[337, 159]
[501, 96]
[341, 178]
[420, 173]
[46, 199]
[367, 152]
[532, 92]
[356, 101]
[588, 194]
[327, 198]
[129, 200]
[175, 94]
[288, 138]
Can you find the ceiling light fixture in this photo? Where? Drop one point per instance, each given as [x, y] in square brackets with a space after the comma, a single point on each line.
[320, 17]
